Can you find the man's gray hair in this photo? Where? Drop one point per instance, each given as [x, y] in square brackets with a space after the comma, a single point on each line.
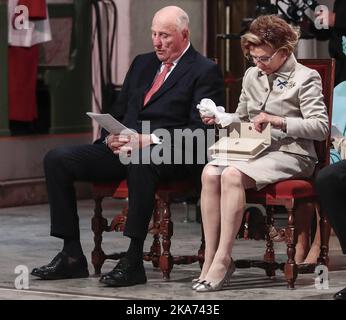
[175, 15]
[183, 21]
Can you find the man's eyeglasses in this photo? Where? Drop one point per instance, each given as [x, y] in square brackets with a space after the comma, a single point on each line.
[264, 60]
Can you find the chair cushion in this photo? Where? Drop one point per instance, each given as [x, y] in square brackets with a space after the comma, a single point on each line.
[119, 189]
[284, 190]
[106, 189]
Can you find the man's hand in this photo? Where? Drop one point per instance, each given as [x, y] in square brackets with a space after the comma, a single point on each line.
[263, 118]
[141, 140]
[127, 143]
[115, 142]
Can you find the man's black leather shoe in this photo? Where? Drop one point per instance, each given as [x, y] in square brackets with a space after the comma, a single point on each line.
[125, 274]
[63, 267]
[341, 295]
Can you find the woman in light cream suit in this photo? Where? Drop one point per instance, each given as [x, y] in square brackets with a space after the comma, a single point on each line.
[279, 91]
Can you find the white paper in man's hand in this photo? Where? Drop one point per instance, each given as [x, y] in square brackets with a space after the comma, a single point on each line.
[113, 126]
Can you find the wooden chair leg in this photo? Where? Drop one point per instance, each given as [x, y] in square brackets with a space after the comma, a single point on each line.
[325, 234]
[201, 250]
[98, 226]
[269, 255]
[155, 249]
[291, 269]
[166, 231]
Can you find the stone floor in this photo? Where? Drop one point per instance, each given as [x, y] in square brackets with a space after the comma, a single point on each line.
[25, 243]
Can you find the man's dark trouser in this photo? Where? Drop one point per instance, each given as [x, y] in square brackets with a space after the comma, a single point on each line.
[331, 187]
[97, 163]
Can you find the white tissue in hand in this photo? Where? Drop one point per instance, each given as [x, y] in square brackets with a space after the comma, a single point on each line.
[208, 108]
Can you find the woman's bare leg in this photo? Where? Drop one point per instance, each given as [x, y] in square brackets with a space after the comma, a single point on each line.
[233, 185]
[315, 248]
[210, 208]
[304, 216]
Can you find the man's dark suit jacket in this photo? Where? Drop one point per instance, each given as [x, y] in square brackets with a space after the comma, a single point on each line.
[174, 104]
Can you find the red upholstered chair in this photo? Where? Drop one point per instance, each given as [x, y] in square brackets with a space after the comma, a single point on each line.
[161, 226]
[290, 193]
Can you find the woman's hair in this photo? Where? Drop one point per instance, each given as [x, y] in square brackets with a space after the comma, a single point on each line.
[272, 31]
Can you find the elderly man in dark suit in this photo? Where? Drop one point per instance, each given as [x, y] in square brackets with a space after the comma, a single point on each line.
[164, 88]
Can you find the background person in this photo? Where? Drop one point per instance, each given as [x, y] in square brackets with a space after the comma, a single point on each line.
[331, 188]
[336, 21]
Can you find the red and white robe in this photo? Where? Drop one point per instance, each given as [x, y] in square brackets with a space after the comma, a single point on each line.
[23, 54]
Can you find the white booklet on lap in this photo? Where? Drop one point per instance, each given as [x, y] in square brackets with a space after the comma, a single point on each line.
[113, 126]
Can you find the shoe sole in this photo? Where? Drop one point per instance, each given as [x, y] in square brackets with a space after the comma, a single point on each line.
[113, 283]
[83, 274]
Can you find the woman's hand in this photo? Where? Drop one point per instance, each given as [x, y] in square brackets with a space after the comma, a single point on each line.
[263, 118]
[207, 120]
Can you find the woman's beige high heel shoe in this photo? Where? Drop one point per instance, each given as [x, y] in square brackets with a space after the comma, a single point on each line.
[196, 282]
[209, 287]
